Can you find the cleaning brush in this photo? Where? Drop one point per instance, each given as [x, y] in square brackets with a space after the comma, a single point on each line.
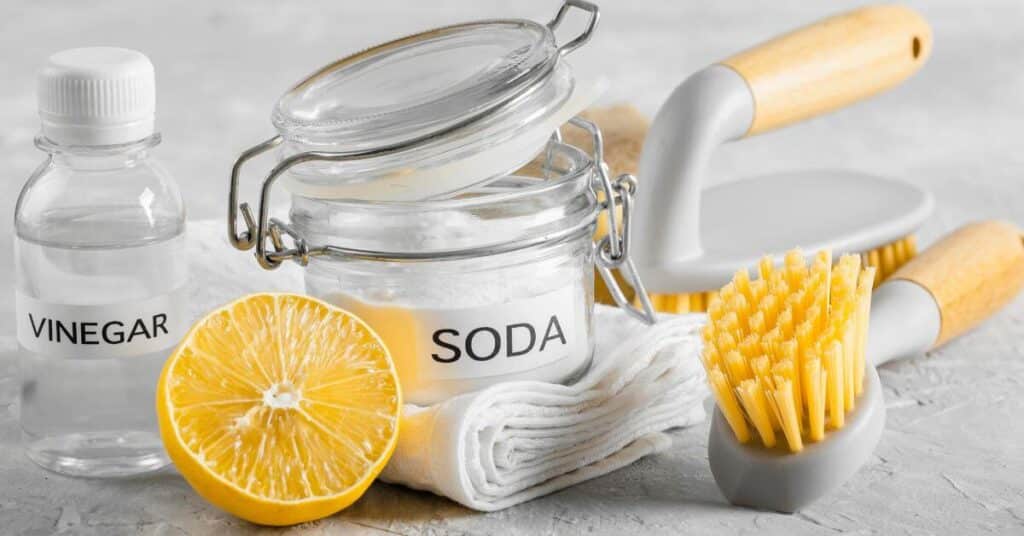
[624, 129]
[791, 356]
[688, 239]
[785, 353]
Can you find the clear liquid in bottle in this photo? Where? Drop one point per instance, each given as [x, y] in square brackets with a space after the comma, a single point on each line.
[102, 284]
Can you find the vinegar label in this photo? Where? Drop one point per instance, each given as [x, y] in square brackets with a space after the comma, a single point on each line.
[102, 331]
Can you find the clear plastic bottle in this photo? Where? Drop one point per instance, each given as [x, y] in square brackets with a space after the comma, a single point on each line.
[101, 271]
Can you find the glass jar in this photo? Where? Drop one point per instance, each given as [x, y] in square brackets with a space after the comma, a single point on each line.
[432, 196]
[458, 323]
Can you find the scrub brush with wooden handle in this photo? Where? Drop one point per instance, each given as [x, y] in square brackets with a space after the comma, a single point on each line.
[688, 240]
[791, 359]
[624, 129]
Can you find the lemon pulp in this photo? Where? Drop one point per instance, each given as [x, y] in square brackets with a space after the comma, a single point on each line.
[279, 408]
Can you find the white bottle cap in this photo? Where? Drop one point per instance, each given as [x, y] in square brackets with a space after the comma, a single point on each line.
[97, 96]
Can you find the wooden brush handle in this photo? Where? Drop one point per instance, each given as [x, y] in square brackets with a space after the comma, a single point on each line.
[832, 63]
[971, 273]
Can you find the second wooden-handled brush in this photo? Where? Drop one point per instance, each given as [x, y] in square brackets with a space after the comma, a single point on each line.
[791, 356]
[688, 240]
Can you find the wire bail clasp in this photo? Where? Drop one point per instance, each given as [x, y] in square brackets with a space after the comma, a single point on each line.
[588, 31]
[612, 251]
[244, 240]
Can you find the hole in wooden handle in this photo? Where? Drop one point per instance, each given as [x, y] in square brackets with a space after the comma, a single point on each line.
[915, 47]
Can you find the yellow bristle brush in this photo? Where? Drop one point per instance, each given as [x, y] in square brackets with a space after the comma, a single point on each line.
[687, 240]
[791, 359]
[782, 349]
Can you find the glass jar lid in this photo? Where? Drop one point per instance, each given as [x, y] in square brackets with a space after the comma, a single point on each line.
[432, 113]
[417, 86]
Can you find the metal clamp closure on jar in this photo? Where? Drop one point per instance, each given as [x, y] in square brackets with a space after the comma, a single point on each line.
[611, 251]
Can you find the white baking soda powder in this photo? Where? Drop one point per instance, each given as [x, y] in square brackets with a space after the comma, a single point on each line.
[457, 325]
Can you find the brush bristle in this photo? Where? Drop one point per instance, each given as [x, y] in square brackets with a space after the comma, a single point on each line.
[784, 353]
[890, 257]
[696, 302]
[886, 260]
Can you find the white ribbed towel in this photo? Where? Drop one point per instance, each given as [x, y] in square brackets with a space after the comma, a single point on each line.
[516, 441]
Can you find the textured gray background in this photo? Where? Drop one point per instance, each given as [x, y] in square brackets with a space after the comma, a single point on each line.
[952, 458]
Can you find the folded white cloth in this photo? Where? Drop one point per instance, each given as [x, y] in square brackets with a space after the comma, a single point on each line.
[516, 441]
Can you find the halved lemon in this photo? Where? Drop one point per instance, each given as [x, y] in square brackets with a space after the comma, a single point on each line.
[279, 408]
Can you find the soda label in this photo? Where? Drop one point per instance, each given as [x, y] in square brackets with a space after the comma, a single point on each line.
[435, 343]
[102, 331]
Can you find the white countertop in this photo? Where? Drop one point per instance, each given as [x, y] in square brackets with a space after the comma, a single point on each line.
[952, 457]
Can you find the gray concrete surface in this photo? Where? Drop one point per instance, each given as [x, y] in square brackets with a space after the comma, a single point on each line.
[952, 457]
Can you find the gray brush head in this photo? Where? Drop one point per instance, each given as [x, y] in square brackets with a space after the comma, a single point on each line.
[777, 479]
